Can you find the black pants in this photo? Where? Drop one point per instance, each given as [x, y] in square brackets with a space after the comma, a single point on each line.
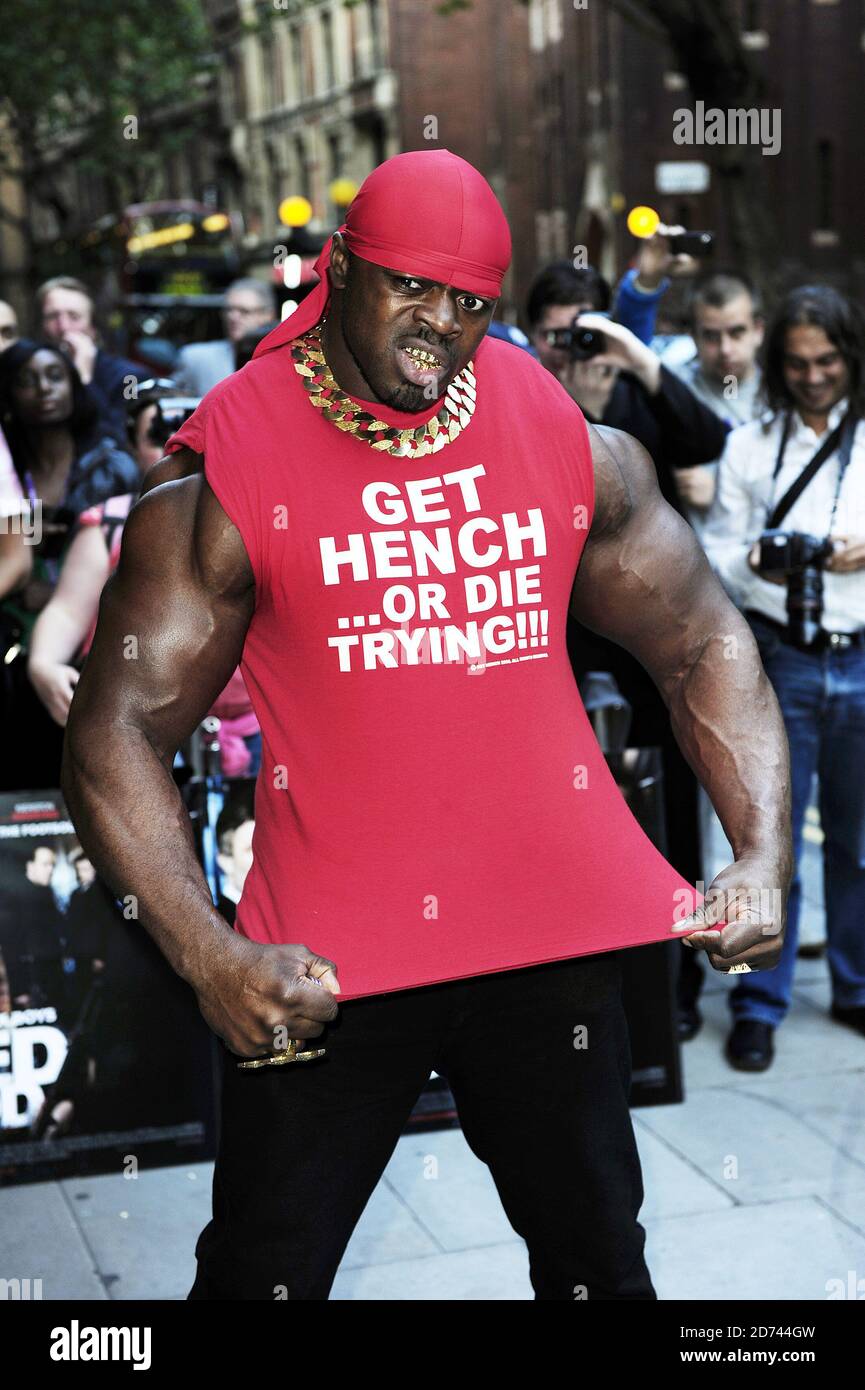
[303, 1146]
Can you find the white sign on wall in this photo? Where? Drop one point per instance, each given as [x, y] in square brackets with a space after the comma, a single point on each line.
[682, 176]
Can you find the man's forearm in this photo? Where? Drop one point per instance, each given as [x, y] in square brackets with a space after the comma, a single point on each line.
[132, 823]
[728, 724]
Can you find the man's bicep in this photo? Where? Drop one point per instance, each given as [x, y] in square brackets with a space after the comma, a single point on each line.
[643, 580]
[172, 619]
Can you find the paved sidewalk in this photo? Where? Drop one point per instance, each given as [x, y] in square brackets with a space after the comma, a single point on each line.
[755, 1186]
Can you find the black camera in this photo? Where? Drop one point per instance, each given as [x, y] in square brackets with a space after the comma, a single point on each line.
[579, 343]
[171, 411]
[799, 557]
[692, 243]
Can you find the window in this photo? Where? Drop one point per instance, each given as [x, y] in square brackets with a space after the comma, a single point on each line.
[327, 46]
[334, 169]
[238, 87]
[297, 62]
[276, 176]
[333, 156]
[301, 166]
[264, 59]
[375, 34]
[278, 74]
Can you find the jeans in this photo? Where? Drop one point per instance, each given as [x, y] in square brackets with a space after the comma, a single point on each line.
[303, 1146]
[822, 699]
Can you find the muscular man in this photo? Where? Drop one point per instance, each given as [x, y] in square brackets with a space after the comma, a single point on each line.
[383, 515]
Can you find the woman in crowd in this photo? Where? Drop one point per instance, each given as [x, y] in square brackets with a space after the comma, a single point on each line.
[64, 630]
[61, 464]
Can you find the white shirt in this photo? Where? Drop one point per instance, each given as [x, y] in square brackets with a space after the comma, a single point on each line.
[739, 513]
[11, 492]
[201, 366]
[740, 409]
[733, 410]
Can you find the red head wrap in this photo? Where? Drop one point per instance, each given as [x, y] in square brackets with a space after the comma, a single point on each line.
[426, 213]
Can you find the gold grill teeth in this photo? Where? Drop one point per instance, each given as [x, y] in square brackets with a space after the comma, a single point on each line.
[418, 352]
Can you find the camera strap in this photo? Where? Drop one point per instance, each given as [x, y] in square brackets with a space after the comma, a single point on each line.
[840, 440]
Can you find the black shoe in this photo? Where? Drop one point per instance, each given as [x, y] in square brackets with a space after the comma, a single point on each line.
[689, 1021]
[749, 1045]
[854, 1018]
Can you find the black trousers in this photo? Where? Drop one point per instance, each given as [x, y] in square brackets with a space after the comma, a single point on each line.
[538, 1061]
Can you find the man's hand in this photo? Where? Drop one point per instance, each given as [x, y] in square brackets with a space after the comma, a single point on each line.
[754, 563]
[849, 555]
[256, 997]
[55, 684]
[655, 260]
[82, 349]
[625, 351]
[589, 385]
[696, 486]
[750, 896]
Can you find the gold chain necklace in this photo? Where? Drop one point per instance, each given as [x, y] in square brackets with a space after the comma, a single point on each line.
[455, 413]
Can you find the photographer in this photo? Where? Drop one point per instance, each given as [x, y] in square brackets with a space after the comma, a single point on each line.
[614, 377]
[802, 589]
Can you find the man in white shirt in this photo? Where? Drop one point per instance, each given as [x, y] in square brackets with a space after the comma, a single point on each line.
[249, 304]
[815, 382]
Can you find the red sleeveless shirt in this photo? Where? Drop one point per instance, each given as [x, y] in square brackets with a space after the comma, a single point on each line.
[432, 801]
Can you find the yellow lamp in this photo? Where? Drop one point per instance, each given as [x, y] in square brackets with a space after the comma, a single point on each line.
[342, 192]
[643, 222]
[295, 212]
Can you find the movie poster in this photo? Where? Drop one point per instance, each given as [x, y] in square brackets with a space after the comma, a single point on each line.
[104, 1055]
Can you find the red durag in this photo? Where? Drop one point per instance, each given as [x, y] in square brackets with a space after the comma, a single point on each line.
[426, 212]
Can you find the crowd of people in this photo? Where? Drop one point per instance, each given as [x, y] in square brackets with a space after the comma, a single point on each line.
[733, 411]
[732, 406]
[79, 428]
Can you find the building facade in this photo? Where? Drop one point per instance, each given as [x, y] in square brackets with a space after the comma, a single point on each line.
[567, 106]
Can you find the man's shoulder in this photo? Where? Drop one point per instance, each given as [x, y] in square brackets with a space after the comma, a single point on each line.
[108, 367]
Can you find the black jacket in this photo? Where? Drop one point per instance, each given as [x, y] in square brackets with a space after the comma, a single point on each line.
[678, 430]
